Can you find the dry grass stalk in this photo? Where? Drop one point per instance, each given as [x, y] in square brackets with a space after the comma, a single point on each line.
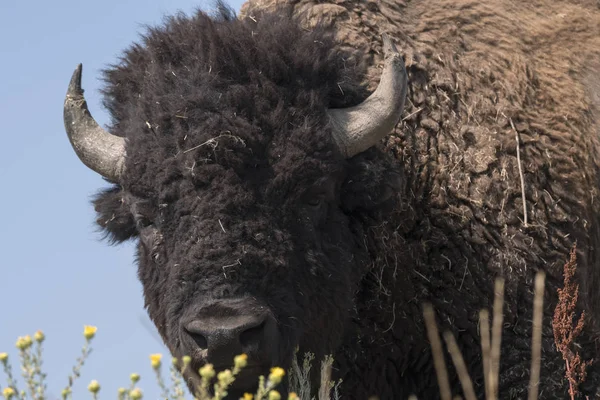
[326, 383]
[490, 346]
[566, 330]
[461, 367]
[484, 328]
[496, 336]
[520, 172]
[536, 335]
[437, 352]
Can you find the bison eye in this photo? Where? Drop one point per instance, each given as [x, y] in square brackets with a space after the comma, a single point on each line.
[142, 222]
[315, 201]
[144, 214]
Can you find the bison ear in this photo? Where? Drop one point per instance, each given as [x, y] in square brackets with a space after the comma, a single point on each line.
[114, 215]
[373, 183]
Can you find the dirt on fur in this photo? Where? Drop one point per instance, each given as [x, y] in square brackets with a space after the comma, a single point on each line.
[479, 70]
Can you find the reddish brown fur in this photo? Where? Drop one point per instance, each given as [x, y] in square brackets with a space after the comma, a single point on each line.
[473, 67]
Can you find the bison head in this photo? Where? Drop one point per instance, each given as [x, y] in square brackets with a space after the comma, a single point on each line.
[238, 153]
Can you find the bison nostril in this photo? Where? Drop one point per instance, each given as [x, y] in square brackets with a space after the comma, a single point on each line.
[252, 336]
[222, 330]
[199, 339]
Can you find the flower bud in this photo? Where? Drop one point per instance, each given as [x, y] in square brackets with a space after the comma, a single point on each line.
[65, 393]
[135, 394]
[39, 336]
[276, 375]
[240, 361]
[24, 342]
[274, 395]
[186, 360]
[225, 377]
[94, 386]
[89, 332]
[8, 393]
[155, 360]
[207, 371]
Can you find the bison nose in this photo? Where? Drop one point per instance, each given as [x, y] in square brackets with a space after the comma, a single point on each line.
[225, 337]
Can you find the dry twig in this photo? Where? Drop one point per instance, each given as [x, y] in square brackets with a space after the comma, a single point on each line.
[520, 172]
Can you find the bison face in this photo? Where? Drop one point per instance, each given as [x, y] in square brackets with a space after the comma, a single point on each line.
[256, 267]
[248, 194]
[258, 261]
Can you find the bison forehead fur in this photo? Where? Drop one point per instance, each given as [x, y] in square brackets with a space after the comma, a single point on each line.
[236, 191]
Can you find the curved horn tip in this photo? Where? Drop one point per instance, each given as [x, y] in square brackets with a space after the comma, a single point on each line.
[75, 83]
[95, 147]
[389, 47]
[357, 128]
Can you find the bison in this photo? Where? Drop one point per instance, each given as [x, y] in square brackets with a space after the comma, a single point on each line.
[286, 193]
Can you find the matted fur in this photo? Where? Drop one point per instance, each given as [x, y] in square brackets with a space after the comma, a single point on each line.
[475, 65]
[228, 148]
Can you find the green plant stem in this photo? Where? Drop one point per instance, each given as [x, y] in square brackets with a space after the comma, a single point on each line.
[161, 384]
[11, 380]
[37, 363]
[85, 352]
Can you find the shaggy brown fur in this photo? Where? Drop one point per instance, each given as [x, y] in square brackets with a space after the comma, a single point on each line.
[473, 67]
[231, 164]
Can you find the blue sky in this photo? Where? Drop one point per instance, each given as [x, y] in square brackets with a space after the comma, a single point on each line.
[56, 274]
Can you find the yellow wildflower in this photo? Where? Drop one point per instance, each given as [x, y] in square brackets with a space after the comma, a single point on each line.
[121, 391]
[293, 396]
[8, 392]
[94, 386]
[240, 361]
[248, 396]
[65, 393]
[276, 375]
[3, 357]
[225, 378]
[186, 360]
[89, 331]
[39, 336]
[155, 360]
[134, 377]
[24, 342]
[135, 394]
[274, 395]
[207, 371]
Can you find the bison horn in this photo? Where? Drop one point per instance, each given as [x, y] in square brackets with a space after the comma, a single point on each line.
[96, 148]
[357, 128]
